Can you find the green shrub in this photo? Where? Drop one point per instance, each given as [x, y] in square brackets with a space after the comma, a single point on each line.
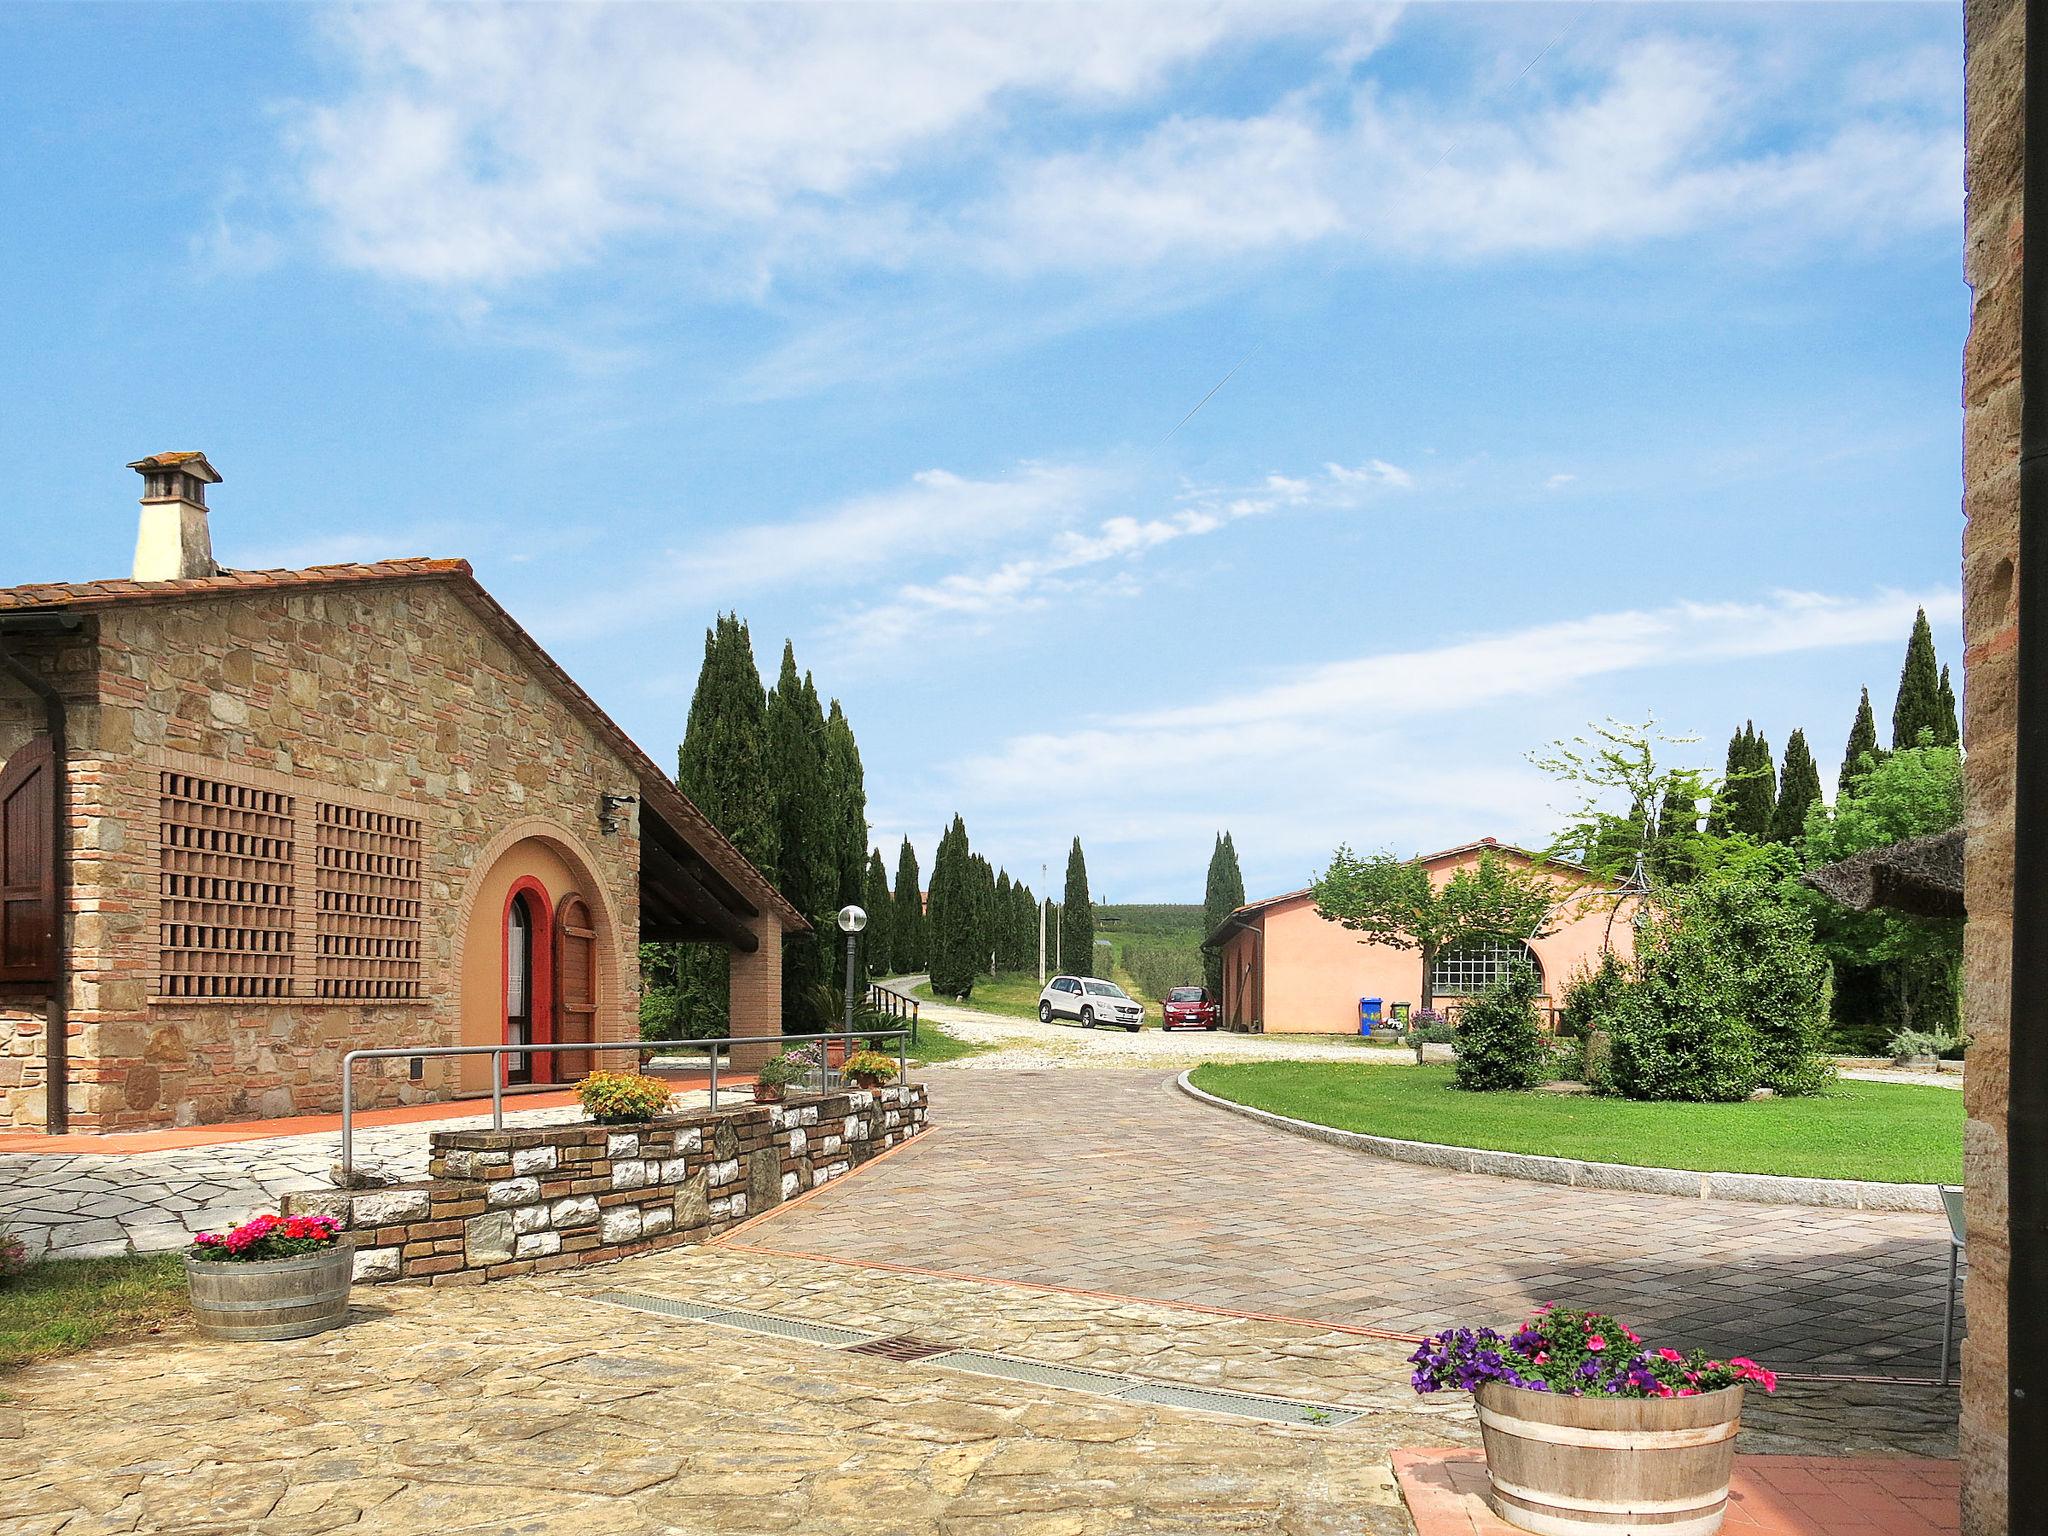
[1677, 1032]
[1920, 1042]
[1778, 977]
[1564, 1059]
[1500, 1044]
[786, 1068]
[1590, 996]
[683, 1013]
[612, 1097]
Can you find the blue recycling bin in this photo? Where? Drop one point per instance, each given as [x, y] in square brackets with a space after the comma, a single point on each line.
[1368, 1013]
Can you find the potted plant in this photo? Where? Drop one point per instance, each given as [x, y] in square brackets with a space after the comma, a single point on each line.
[616, 1098]
[1586, 1430]
[870, 1069]
[1919, 1048]
[273, 1277]
[779, 1073]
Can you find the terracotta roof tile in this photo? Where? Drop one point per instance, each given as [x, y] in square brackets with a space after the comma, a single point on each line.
[101, 594]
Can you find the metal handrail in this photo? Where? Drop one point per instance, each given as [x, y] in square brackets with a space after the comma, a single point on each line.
[497, 1053]
[887, 1000]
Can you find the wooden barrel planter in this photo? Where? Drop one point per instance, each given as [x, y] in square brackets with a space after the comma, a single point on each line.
[274, 1298]
[1580, 1466]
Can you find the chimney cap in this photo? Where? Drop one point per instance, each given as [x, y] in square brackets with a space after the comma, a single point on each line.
[189, 463]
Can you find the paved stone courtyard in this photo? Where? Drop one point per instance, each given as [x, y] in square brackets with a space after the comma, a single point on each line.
[1115, 1182]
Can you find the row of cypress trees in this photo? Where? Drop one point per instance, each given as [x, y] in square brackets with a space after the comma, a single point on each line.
[780, 775]
[978, 921]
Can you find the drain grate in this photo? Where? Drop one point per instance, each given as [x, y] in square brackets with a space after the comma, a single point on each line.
[901, 1347]
[1244, 1405]
[1073, 1377]
[909, 1349]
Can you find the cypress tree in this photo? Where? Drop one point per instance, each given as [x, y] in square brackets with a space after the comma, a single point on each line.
[847, 809]
[806, 867]
[1862, 744]
[951, 918]
[908, 911]
[722, 763]
[1222, 895]
[722, 767]
[1798, 791]
[1919, 703]
[1948, 731]
[1077, 918]
[999, 924]
[880, 949]
[1748, 788]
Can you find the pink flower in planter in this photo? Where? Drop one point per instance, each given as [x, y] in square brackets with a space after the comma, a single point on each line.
[1596, 1342]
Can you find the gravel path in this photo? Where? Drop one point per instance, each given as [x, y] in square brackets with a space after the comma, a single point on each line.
[1023, 1044]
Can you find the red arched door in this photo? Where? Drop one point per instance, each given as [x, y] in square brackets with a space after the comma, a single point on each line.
[529, 980]
[575, 984]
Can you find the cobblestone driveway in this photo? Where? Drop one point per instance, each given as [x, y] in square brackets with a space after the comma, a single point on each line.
[1114, 1182]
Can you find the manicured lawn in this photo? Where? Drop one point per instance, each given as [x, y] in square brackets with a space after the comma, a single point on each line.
[66, 1305]
[1015, 994]
[1892, 1132]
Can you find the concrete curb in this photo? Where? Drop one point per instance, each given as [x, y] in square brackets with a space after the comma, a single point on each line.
[1753, 1188]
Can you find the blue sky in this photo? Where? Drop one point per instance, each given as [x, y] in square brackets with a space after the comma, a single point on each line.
[1582, 361]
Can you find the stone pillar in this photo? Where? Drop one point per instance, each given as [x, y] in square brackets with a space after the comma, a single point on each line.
[1994, 61]
[757, 992]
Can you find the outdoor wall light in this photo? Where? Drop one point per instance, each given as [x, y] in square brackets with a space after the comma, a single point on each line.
[609, 808]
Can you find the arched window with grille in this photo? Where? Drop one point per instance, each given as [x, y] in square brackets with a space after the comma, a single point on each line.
[1469, 968]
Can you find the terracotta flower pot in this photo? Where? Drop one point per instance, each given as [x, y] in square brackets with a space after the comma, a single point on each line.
[769, 1093]
[835, 1052]
[869, 1081]
[1580, 1466]
[272, 1298]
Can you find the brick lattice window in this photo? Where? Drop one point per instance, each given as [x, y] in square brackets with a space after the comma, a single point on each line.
[228, 894]
[368, 921]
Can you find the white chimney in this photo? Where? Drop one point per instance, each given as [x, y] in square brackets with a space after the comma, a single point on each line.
[173, 543]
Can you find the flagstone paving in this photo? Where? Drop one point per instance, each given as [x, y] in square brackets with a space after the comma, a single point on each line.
[1114, 1182]
[530, 1406]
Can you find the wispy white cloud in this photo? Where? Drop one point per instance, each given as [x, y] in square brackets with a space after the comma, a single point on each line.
[1380, 748]
[981, 596]
[937, 510]
[483, 146]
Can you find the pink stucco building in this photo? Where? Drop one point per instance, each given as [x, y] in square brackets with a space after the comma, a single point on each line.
[1287, 970]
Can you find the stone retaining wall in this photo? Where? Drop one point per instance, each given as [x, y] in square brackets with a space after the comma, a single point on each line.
[503, 1203]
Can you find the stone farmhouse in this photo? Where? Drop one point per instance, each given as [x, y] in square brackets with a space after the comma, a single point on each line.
[1289, 970]
[250, 820]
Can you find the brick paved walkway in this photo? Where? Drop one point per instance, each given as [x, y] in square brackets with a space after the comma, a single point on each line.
[1113, 1182]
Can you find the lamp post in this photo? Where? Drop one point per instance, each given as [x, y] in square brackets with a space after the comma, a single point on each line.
[851, 920]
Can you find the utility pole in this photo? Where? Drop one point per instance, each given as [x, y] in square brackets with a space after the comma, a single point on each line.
[1043, 903]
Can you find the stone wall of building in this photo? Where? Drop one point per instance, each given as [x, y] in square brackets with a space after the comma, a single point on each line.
[68, 661]
[393, 691]
[504, 1203]
[1995, 59]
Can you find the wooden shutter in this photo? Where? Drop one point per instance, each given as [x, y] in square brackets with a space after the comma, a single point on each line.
[575, 984]
[28, 865]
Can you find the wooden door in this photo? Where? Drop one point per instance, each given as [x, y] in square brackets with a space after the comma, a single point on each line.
[28, 865]
[575, 984]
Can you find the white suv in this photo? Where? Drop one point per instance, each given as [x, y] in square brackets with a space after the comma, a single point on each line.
[1092, 1002]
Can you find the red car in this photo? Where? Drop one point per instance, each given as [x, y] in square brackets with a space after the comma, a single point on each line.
[1191, 1008]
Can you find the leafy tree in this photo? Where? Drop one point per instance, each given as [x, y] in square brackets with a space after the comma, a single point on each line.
[1077, 917]
[1617, 763]
[908, 937]
[1398, 903]
[1919, 706]
[880, 946]
[1223, 895]
[1862, 751]
[950, 918]
[1798, 791]
[1500, 1042]
[1948, 729]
